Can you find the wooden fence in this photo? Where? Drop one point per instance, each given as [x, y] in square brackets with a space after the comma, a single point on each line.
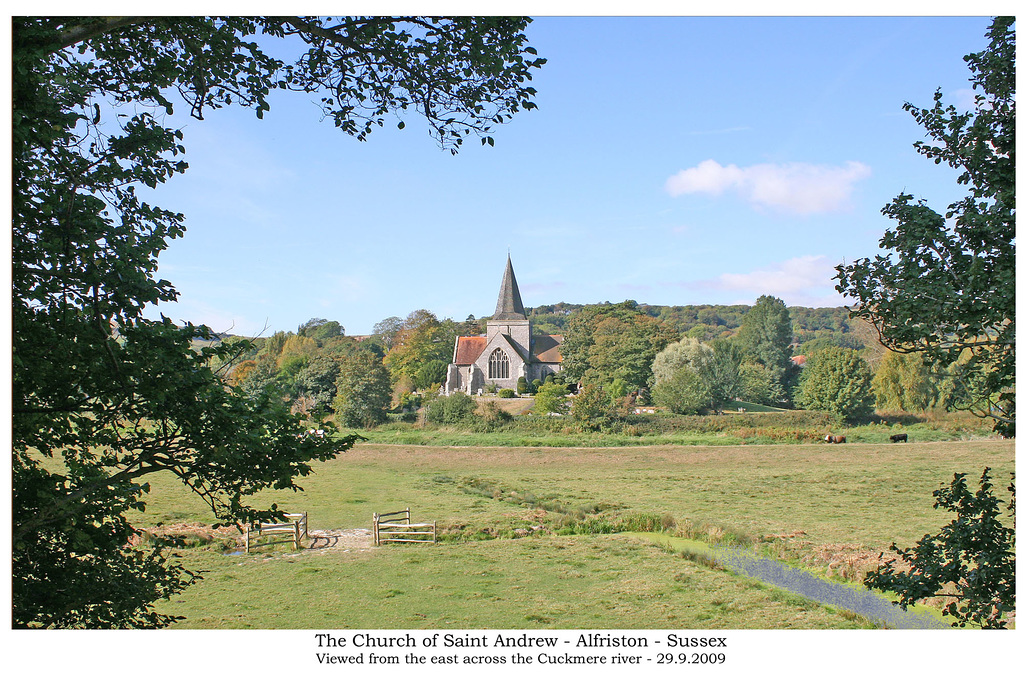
[293, 530]
[398, 527]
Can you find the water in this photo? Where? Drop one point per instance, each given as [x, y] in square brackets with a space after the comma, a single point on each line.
[853, 597]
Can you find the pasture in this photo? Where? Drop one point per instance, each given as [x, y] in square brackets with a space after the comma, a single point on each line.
[515, 548]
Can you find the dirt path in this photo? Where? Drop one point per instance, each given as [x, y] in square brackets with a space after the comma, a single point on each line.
[340, 540]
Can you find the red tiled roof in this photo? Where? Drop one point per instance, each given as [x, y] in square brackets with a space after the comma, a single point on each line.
[468, 348]
[547, 349]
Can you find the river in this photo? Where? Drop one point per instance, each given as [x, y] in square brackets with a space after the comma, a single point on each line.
[851, 596]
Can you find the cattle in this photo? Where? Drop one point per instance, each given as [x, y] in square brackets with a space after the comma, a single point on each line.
[898, 437]
[834, 439]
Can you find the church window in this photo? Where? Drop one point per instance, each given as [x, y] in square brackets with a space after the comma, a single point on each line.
[497, 365]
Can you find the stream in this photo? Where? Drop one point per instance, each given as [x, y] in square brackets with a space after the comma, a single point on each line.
[853, 597]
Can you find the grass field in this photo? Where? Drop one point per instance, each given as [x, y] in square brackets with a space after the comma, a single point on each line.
[503, 563]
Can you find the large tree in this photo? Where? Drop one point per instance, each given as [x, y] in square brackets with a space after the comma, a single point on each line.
[363, 390]
[946, 285]
[605, 343]
[766, 337]
[102, 397]
[838, 380]
[711, 379]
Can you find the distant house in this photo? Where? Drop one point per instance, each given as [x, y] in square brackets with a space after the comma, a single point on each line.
[508, 351]
[799, 359]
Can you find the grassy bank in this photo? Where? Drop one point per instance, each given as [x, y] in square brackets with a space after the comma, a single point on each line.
[732, 429]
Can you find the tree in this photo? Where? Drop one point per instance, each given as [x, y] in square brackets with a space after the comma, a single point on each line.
[837, 380]
[591, 403]
[422, 339]
[363, 390]
[551, 398]
[766, 337]
[972, 560]
[759, 384]
[683, 392]
[430, 373]
[387, 329]
[904, 382]
[766, 334]
[317, 380]
[682, 372]
[717, 374]
[128, 396]
[946, 285]
[607, 342]
[321, 329]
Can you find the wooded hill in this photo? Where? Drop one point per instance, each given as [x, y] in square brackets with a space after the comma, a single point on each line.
[707, 322]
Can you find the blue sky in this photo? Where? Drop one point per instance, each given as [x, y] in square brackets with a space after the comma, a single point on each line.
[671, 161]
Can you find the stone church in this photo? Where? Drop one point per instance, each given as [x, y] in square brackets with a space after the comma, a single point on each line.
[508, 351]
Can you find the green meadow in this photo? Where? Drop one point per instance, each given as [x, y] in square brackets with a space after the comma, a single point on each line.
[534, 537]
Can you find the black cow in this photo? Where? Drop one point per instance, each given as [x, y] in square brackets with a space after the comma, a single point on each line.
[898, 437]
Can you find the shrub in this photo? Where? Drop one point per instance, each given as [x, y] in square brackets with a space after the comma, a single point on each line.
[455, 408]
[506, 393]
[522, 385]
[591, 403]
[551, 398]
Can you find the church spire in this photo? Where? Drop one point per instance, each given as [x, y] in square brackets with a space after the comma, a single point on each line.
[510, 305]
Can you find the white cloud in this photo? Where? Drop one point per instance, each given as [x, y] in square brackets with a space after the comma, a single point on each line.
[798, 187]
[805, 281]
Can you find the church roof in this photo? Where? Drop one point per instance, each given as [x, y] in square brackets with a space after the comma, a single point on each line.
[547, 349]
[468, 348]
[510, 304]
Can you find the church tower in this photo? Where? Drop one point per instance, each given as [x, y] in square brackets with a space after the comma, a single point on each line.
[509, 314]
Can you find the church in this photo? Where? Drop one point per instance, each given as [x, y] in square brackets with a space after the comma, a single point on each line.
[507, 352]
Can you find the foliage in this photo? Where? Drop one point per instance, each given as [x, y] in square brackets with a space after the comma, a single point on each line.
[129, 397]
[522, 385]
[716, 371]
[387, 329]
[972, 560]
[591, 403]
[455, 408]
[759, 384]
[321, 329]
[683, 392]
[767, 332]
[363, 390]
[837, 380]
[904, 382]
[551, 398]
[430, 373]
[607, 342]
[422, 339]
[765, 338]
[506, 393]
[946, 285]
[317, 380]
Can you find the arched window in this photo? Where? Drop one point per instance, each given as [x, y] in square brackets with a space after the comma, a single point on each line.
[497, 365]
